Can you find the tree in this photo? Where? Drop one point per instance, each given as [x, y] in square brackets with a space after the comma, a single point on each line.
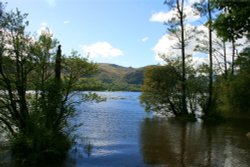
[240, 84]
[176, 27]
[160, 85]
[36, 121]
[235, 12]
[233, 23]
[1, 9]
[205, 9]
[14, 68]
[162, 88]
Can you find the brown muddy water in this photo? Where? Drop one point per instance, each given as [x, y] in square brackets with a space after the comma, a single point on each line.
[119, 133]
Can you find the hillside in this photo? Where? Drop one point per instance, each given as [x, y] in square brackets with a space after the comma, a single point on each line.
[112, 77]
[109, 73]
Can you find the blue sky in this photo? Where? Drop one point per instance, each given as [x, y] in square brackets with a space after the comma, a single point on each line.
[123, 32]
[111, 31]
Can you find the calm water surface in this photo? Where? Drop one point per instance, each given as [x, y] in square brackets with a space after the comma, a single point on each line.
[118, 133]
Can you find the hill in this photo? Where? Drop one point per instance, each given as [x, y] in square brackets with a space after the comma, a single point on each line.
[113, 77]
[109, 73]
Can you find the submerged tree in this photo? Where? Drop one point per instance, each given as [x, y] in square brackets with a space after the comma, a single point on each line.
[162, 88]
[176, 27]
[36, 121]
[175, 92]
[204, 7]
[159, 90]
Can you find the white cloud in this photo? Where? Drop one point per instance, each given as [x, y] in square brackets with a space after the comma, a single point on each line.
[162, 17]
[169, 45]
[145, 39]
[199, 58]
[191, 14]
[165, 47]
[51, 3]
[102, 50]
[66, 22]
[44, 28]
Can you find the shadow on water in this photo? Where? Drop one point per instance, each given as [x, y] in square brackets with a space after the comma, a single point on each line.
[180, 144]
[6, 160]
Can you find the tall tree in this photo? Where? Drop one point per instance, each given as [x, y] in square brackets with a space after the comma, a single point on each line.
[36, 122]
[240, 92]
[162, 88]
[15, 44]
[225, 59]
[175, 25]
[1, 9]
[233, 22]
[205, 9]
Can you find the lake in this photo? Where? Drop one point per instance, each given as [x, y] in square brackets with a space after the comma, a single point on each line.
[119, 133]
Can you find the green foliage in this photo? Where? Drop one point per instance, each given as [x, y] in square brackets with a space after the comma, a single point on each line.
[240, 84]
[235, 21]
[39, 146]
[112, 77]
[89, 84]
[92, 97]
[162, 89]
[232, 96]
[159, 85]
[135, 77]
[37, 121]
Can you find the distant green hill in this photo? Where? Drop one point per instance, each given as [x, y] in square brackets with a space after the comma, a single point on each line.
[113, 77]
[109, 73]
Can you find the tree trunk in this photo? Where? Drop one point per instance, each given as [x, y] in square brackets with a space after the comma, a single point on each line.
[58, 64]
[233, 56]
[183, 84]
[210, 85]
[225, 59]
[59, 107]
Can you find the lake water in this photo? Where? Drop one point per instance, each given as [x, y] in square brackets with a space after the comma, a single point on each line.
[119, 133]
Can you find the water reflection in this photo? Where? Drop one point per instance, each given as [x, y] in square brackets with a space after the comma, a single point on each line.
[179, 144]
[118, 133]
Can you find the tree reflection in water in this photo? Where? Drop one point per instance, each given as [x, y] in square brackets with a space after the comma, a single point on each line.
[181, 144]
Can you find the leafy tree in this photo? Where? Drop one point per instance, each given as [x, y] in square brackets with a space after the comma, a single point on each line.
[176, 28]
[205, 9]
[14, 68]
[1, 9]
[158, 90]
[162, 89]
[233, 23]
[240, 84]
[36, 121]
[236, 14]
